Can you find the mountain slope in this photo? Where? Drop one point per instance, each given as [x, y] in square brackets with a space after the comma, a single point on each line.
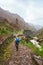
[40, 33]
[36, 27]
[5, 27]
[15, 20]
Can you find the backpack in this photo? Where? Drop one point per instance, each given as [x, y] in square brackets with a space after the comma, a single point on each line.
[17, 40]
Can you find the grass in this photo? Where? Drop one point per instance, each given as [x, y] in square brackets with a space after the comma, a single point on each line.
[5, 51]
[4, 31]
[33, 47]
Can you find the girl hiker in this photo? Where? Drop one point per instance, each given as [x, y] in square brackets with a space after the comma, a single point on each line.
[17, 40]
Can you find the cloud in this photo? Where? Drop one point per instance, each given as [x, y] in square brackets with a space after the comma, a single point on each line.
[30, 10]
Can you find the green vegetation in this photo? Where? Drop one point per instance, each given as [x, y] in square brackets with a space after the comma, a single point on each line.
[39, 34]
[5, 30]
[33, 47]
[19, 32]
[5, 51]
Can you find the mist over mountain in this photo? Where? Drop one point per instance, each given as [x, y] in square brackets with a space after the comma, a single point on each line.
[16, 21]
[39, 33]
[37, 27]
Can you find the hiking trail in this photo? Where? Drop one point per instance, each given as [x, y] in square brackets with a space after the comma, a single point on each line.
[21, 57]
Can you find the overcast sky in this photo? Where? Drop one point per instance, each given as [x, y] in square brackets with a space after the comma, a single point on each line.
[30, 10]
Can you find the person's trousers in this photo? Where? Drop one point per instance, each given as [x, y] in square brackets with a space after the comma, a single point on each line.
[17, 45]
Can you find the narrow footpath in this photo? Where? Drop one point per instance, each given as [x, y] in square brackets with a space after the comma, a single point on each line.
[21, 57]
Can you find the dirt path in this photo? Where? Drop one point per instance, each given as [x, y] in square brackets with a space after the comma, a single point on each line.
[22, 57]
